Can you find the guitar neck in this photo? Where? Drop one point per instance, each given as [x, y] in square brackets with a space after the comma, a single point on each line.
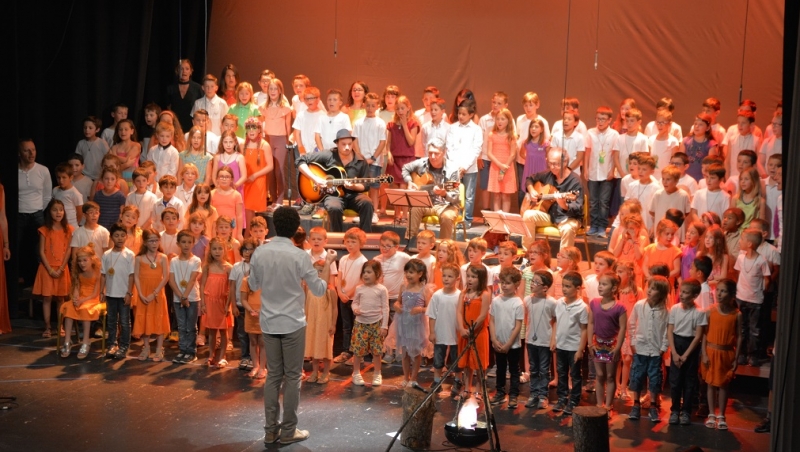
[357, 180]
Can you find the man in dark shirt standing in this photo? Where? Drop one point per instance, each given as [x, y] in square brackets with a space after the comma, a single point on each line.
[354, 198]
[566, 213]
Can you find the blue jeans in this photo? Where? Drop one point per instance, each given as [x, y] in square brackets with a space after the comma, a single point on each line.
[567, 367]
[599, 200]
[346, 313]
[118, 311]
[187, 327]
[539, 362]
[244, 339]
[469, 180]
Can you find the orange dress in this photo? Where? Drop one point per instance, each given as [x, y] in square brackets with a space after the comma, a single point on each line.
[153, 317]
[56, 245]
[501, 151]
[215, 296]
[472, 310]
[225, 203]
[252, 324]
[722, 332]
[5, 321]
[89, 309]
[255, 193]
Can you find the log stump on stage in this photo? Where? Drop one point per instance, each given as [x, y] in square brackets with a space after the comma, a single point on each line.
[590, 429]
[417, 434]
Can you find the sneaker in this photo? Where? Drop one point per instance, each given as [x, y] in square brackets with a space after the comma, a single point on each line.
[559, 406]
[685, 419]
[492, 372]
[654, 414]
[173, 336]
[243, 363]
[498, 398]
[592, 231]
[112, 351]
[296, 436]
[189, 358]
[674, 418]
[344, 356]
[121, 353]
[602, 234]
[307, 209]
[358, 380]
[764, 427]
[542, 403]
[532, 402]
[178, 359]
[568, 409]
[455, 390]
[375, 218]
[377, 380]
[636, 413]
[589, 386]
[512, 402]
[388, 358]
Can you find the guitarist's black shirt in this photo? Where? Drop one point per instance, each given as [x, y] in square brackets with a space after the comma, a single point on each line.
[571, 183]
[357, 168]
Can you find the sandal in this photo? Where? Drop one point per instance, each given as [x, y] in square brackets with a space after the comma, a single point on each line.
[211, 362]
[66, 349]
[312, 378]
[721, 424]
[711, 421]
[47, 334]
[222, 363]
[145, 353]
[252, 373]
[262, 374]
[159, 355]
[323, 379]
[84, 351]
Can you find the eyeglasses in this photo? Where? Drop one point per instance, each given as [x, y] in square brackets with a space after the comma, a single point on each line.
[223, 177]
[311, 98]
[252, 127]
[536, 283]
[563, 256]
[386, 247]
[662, 123]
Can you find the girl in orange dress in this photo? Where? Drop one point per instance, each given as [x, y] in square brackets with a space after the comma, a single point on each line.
[502, 151]
[473, 308]
[224, 232]
[228, 201]
[720, 351]
[663, 251]
[630, 238]
[5, 321]
[85, 305]
[258, 160]
[52, 278]
[446, 252]
[215, 305]
[150, 276]
[251, 303]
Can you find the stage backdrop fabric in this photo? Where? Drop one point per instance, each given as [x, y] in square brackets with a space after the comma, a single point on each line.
[684, 49]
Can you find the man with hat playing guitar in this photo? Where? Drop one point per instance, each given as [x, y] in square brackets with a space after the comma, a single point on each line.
[560, 184]
[352, 196]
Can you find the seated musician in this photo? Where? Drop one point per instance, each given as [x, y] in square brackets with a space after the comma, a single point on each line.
[446, 203]
[354, 197]
[565, 213]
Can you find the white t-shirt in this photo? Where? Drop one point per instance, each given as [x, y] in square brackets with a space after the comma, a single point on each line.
[431, 131]
[169, 243]
[351, 271]
[674, 130]
[393, 273]
[705, 201]
[663, 201]
[486, 123]
[590, 284]
[706, 298]
[569, 318]
[600, 160]
[93, 153]
[108, 136]
[506, 312]
[540, 312]
[662, 151]
[186, 199]
[322, 256]
[736, 143]
[690, 184]
[72, 200]
[117, 267]
[299, 106]
[770, 253]
[159, 208]
[236, 276]
[97, 236]
[183, 269]
[750, 285]
[216, 108]
[429, 261]
[627, 145]
[306, 123]
[145, 202]
[685, 321]
[572, 144]
[328, 125]
[464, 143]
[442, 308]
[166, 160]
[370, 132]
[558, 128]
[84, 186]
[772, 145]
[644, 193]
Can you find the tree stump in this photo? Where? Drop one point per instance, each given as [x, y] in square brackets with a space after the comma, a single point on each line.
[590, 429]
[417, 434]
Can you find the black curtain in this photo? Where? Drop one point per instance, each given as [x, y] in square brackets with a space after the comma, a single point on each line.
[785, 409]
[75, 58]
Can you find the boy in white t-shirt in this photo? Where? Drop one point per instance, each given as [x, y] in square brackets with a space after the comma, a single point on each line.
[306, 121]
[506, 314]
[299, 84]
[168, 185]
[393, 263]
[90, 232]
[772, 189]
[570, 139]
[569, 103]
[441, 313]
[774, 144]
[631, 142]
[712, 198]
[437, 127]
[540, 337]
[601, 150]
[92, 148]
[346, 282]
[82, 183]
[334, 121]
[700, 270]
[669, 197]
[142, 198]
[215, 106]
[572, 319]
[686, 182]
[118, 113]
[662, 144]
[184, 272]
[664, 104]
[645, 187]
[370, 134]
[116, 286]
[741, 136]
[426, 240]
[711, 107]
[753, 281]
[68, 194]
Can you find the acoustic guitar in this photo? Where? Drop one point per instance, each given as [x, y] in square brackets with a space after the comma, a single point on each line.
[336, 177]
[549, 195]
[425, 182]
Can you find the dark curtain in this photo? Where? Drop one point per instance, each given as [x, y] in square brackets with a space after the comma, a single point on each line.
[785, 410]
[75, 58]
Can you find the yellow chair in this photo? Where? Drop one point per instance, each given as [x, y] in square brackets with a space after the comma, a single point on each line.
[552, 231]
[434, 219]
[103, 314]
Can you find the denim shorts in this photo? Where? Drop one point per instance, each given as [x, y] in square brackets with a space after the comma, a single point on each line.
[439, 352]
[374, 171]
[646, 367]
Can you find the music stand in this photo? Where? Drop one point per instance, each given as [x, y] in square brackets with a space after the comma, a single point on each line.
[408, 198]
[505, 223]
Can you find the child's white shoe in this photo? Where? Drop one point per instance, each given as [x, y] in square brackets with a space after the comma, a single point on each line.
[377, 380]
[358, 380]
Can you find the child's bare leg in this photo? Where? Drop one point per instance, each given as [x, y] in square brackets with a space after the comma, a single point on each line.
[87, 325]
[377, 365]
[406, 366]
[600, 387]
[723, 399]
[506, 202]
[415, 363]
[357, 363]
[626, 371]
[711, 395]
[46, 307]
[496, 204]
[223, 344]
[610, 383]
[160, 342]
[326, 366]
[212, 343]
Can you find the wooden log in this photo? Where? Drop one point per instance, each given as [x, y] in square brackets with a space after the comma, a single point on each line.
[590, 429]
[417, 434]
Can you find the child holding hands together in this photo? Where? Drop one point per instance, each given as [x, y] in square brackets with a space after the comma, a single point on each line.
[506, 314]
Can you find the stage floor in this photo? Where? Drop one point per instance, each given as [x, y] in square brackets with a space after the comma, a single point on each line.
[96, 404]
